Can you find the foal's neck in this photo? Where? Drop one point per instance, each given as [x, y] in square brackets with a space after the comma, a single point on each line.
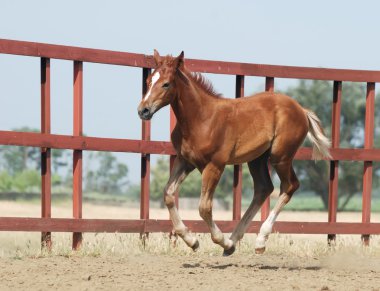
[191, 105]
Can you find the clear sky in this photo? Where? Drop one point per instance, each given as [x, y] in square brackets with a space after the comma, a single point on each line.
[341, 34]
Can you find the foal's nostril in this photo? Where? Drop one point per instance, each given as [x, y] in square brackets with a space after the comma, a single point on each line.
[145, 111]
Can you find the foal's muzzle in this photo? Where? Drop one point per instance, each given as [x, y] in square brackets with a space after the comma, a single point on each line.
[145, 113]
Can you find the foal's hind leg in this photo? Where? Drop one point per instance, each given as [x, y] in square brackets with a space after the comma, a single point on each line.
[289, 184]
[210, 178]
[263, 187]
[181, 169]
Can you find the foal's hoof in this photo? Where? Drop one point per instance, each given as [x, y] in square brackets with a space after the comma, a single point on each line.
[229, 252]
[195, 246]
[260, 251]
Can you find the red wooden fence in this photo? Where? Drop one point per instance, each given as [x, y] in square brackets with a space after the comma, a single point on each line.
[78, 143]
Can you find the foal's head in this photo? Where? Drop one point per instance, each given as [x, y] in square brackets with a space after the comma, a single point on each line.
[161, 85]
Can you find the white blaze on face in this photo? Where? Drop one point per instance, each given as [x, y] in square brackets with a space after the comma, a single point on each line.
[155, 78]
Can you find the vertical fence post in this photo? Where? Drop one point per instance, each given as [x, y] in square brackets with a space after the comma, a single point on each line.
[173, 122]
[368, 170]
[238, 171]
[145, 159]
[45, 152]
[77, 156]
[334, 165]
[265, 208]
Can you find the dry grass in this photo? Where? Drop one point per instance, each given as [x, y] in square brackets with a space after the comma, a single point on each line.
[23, 245]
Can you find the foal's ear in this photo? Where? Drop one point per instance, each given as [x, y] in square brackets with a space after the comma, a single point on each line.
[179, 59]
[156, 57]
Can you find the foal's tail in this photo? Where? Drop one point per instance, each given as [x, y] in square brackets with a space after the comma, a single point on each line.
[316, 135]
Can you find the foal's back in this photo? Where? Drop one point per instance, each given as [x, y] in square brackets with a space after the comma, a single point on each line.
[266, 120]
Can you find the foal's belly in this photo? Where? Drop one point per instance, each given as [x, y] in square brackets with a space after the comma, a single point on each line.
[233, 148]
[248, 152]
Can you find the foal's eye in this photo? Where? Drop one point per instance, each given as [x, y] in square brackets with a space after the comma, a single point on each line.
[166, 85]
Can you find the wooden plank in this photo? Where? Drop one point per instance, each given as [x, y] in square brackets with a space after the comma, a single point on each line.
[206, 66]
[367, 190]
[368, 165]
[85, 143]
[57, 141]
[45, 152]
[70, 225]
[334, 164]
[265, 208]
[325, 227]
[173, 122]
[63, 52]
[263, 70]
[238, 170]
[152, 225]
[77, 155]
[145, 158]
[343, 154]
[237, 192]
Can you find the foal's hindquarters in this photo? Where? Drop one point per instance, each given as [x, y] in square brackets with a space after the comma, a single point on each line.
[291, 126]
[283, 125]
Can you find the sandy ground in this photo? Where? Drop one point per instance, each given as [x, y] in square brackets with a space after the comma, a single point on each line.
[20, 209]
[123, 262]
[163, 272]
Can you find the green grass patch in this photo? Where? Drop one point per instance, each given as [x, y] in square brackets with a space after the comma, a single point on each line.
[309, 202]
[304, 203]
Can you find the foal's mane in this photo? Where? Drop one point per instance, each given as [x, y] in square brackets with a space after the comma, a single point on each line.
[203, 83]
[200, 81]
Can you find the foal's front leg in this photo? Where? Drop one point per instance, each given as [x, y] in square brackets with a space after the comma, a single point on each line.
[181, 169]
[210, 178]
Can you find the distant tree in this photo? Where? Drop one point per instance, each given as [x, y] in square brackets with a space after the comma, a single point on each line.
[133, 192]
[160, 176]
[6, 182]
[191, 187]
[27, 181]
[15, 159]
[59, 159]
[317, 96]
[20, 169]
[20, 166]
[108, 176]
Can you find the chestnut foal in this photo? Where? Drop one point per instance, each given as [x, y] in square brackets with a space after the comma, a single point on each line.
[213, 132]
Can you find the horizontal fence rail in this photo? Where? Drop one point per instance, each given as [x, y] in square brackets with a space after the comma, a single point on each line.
[156, 225]
[204, 66]
[145, 146]
[58, 141]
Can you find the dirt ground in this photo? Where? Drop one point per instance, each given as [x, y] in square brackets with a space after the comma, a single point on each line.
[164, 272]
[124, 262]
